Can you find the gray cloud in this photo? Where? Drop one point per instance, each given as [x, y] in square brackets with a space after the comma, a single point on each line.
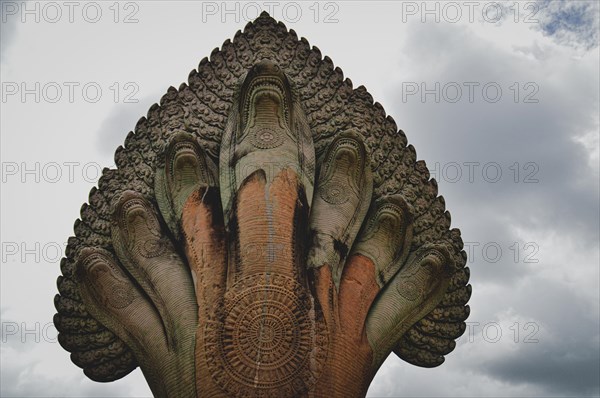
[506, 132]
[7, 29]
[118, 123]
[564, 202]
[566, 359]
[25, 347]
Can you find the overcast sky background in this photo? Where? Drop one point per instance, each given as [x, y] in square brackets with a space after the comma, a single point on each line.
[519, 170]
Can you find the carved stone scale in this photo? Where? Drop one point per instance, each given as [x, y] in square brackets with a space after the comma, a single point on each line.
[267, 232]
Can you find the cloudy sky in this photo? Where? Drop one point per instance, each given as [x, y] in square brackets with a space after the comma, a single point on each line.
[499, 98]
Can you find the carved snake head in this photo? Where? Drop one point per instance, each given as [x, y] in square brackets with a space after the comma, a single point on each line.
[265, 98]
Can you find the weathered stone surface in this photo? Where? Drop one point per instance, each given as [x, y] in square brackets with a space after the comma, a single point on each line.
[267, 233]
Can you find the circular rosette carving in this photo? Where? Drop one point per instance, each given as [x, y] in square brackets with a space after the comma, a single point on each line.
[121, 295]
[266, 138]
[334, 193]
[268, 343]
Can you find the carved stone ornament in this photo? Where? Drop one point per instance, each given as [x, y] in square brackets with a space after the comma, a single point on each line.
[267, 232]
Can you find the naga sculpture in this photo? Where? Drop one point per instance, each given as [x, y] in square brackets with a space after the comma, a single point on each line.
[267, 232]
